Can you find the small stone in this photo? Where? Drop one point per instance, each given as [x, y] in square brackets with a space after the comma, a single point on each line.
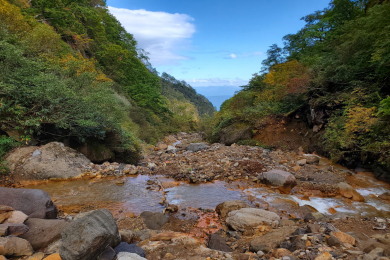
[260, 253]
[312, 159]
[333, 241]
[280, 252]
[16, 217]
[37, 256]
[324, 256]
[301, 162]
[129, 256]
[55, 256]
[16, 229]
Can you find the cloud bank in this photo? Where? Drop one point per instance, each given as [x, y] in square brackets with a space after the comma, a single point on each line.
[161, 34]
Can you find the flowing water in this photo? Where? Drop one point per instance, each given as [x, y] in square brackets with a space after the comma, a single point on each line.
[135, 195]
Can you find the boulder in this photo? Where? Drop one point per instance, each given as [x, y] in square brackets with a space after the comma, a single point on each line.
[154, 220]
[130, 248]
[224, 208]
[195, 147]
[312, 158]
[349, 192]
[89, 235]
[15, 246]
[129, 256]
[278, 178]
[250, 218]
[53, 160]
[16, 217]
[34, 203]
[234, 133]
[43, 232]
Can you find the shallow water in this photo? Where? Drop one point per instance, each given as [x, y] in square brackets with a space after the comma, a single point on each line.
[133, 194]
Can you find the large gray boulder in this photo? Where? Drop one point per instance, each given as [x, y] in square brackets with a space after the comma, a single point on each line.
[43, 232]
[250, 218]
[53, 160]
[35, 203]
[89, 235]
[278, 178]
[196, 147]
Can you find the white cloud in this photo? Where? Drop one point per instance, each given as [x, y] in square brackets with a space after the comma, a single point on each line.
[161, 34]
[233, 55]
[210, 82]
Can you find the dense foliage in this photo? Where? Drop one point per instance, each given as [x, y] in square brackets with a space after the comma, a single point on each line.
[337, 65]
[71, 73]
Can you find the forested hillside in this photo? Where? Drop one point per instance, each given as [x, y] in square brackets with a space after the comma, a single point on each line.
[332, 75]
[71, 73]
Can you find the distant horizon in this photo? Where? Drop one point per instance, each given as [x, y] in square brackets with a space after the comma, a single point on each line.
[217, 94]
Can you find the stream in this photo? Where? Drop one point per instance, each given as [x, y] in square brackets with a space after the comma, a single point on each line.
[140, 193]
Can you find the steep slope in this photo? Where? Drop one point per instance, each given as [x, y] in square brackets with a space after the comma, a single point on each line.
[333, 85]
[71, 73]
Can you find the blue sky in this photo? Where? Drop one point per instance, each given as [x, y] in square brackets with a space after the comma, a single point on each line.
[211, 42]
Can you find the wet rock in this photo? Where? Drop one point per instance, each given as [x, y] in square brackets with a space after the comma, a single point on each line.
[217, 242]
[53, 160]
[195, 147]
[108, 254]
[15, 246]
[130, 248]
[129, 256]
[34, 203]
[271, 240]
[224, 208]
[89, 235]
[16, 217]
[154, 220]
[343, 237]
[347, 191]
[250, 218]
[278, 178]
[15, 229]
[43, 232]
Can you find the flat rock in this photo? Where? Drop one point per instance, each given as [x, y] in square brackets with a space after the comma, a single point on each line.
[53, 160]
[15, 246]
[37, 256]
[89, 235]
[43, 232]
[16, 217]
[154, 220]
[272, 239]
[129, 256]
[278, 178]
[250, 218]
[35, 203]
[130, 248]
[195, 147]
[224, 208]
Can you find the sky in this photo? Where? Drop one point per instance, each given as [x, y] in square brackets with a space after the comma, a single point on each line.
[211, 42]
